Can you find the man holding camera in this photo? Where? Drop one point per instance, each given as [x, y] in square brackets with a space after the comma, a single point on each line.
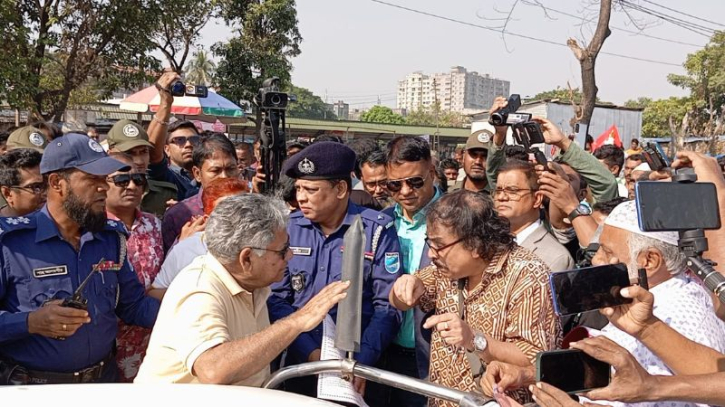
[173, 143]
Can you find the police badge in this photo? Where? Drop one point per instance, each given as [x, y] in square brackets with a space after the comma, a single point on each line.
[298, 282]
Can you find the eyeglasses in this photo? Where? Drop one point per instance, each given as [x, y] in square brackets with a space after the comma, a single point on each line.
[282, 252]
[513, 194]
[181, 140]
[123, 180]
[376, 184]
[37, 188]
[438, 250]
[396, 185]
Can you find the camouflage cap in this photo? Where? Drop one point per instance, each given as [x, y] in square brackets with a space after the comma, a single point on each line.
[27, 137]
[125, 135]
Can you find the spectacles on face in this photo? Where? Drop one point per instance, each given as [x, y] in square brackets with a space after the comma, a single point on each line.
[123, 180]
[282, 252]
[395, 185]
[376, 184]
[36, 188]
[513, 194]
[439, 249]
[181, 141]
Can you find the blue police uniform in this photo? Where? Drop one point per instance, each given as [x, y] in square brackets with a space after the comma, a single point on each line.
[317, 262]
[37, 265]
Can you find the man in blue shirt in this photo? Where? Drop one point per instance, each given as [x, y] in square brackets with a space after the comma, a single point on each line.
[322, 172]
[411, 176]
[44, 258]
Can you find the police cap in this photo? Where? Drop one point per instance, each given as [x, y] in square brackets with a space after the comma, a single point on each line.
[74, 150]
[125, 135]
[27, 137]
[323, 160]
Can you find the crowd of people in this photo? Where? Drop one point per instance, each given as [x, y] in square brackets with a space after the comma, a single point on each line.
[156, 258]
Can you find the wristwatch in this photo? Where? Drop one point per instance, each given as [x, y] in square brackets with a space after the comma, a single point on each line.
[580, 210]
[479, 343]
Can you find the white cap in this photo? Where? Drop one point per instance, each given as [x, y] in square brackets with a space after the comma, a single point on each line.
[642, 167]
[624, 216]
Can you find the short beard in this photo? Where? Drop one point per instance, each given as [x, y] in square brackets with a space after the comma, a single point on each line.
[477, 178]
[83, 215]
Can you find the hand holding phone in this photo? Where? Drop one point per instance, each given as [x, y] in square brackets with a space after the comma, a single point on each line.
[571, 370]
[589, 288]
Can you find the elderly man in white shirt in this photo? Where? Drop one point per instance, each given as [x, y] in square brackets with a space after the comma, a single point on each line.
[680, 300]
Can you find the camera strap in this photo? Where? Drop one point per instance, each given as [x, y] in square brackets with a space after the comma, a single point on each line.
[477, 367]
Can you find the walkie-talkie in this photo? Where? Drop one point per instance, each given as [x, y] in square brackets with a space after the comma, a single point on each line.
[77, 301]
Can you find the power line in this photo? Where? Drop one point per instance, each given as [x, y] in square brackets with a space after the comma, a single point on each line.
[519, 35]
[684, 14]
[372, 101]
[640, 33]
[688, 25]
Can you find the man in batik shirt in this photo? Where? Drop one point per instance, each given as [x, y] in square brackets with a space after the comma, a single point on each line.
[503, 310]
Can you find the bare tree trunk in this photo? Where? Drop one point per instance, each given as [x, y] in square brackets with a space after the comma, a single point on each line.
[678, 134]
[587, 60]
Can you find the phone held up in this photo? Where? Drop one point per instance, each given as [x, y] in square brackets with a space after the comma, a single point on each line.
[572, 370]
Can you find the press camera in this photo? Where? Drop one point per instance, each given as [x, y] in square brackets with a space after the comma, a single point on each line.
[526, 132]
[179, 88]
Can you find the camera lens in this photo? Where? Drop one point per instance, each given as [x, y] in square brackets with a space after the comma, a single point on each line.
[275, 99]
[496, 119]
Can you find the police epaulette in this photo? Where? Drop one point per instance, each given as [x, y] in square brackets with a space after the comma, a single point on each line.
[16, 223]
[116, 226]
[377, 217]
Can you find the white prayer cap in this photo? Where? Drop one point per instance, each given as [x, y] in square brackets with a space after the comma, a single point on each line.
[624, 216]
[642, 167]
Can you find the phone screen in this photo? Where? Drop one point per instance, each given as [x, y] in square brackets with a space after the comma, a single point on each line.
[672, 206]
[571, 370]
[589, 288]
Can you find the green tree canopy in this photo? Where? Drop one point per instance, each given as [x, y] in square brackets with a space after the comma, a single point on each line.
[266, 39]
[434, 115]
[308, 105]
[657, 113]
[200, 70]
[382, 114]
[54, 47]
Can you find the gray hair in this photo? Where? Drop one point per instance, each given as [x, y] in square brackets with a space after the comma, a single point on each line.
[245, 220]
[674, 259]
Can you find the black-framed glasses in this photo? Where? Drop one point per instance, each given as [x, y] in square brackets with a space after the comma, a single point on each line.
[123, 180]
[36, 188]
[395, 185]
[181, 140]
[513, 194]
[438, 250]
[281, 252]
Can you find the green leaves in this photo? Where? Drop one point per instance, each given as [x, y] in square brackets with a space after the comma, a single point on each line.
[382, 114]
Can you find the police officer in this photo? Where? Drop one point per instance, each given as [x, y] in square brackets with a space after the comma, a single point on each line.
[44, 258]
[323, 177]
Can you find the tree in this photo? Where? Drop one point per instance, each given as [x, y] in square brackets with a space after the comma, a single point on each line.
[382, 114]
[60, 46]
[266, 39]
[308, 105]
[562, 94]
[179, 26]
[435, 116]
[705, 80]
[657, 115]
[639, 103]
[200, 70]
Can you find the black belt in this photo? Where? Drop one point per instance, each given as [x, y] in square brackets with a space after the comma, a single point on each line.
[401, 350]
[22, 375]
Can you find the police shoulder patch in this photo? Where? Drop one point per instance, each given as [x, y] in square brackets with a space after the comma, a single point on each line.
[11, 224]
[116, 226]
[392, 262]
[378, 217]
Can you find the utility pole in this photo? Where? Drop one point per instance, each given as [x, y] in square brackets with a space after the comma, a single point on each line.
[436, 106]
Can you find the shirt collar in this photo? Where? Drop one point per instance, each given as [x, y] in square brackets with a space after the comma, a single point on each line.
[136, 218]
[213, 265]
[47, 229]
[352, 211]
[524, 234]
[419, 216]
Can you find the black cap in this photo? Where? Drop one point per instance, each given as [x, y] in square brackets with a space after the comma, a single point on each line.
[323, 160]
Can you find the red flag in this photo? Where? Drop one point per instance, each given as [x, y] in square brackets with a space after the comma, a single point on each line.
[610, 136]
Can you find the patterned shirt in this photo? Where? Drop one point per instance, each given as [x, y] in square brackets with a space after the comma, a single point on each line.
[177, 216]
[145, 252]
[511, 304]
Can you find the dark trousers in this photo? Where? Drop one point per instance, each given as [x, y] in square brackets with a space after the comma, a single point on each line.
[396, 359]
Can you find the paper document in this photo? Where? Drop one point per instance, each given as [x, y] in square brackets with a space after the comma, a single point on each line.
[331, 386]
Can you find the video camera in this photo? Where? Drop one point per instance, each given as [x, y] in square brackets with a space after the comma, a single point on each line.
[272, 103]
[655, 156]
[270, 97]
[179, 88]
[526, 132]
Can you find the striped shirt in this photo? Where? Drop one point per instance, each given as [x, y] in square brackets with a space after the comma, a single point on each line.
[511, 304]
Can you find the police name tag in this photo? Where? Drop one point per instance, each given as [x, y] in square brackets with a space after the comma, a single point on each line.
[301, 251]
[50, 271]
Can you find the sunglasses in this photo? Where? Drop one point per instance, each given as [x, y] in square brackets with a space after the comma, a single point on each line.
[123, 180]
[396, 185]
[181, 141]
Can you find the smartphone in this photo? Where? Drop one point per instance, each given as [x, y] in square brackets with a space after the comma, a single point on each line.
[572, 370]
[656, 157]
[589, 288]
[249, 173]
[674, 206]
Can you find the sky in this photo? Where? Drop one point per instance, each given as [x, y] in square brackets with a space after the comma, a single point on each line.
[357, 50]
